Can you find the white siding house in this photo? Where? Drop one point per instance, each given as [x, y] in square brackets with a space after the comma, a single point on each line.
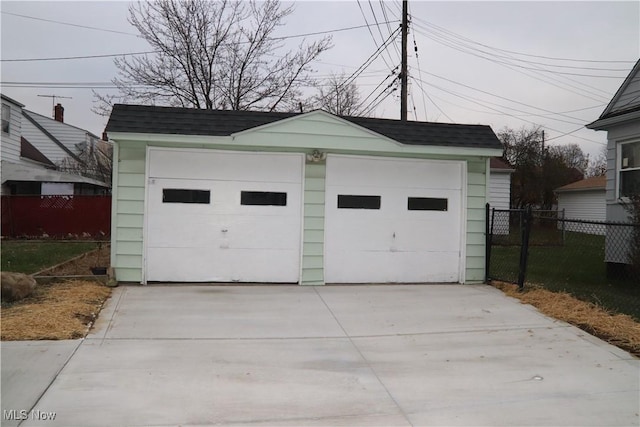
[11, 129]
[33, 146]
[583, 200]
[621, 121]
[500, 193]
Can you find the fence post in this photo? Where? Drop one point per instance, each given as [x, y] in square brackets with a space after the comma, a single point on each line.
[487, 249]
[563, 228]
[524, 248]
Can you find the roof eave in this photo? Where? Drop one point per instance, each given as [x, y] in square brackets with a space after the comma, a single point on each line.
[573, 190]
[229, 142]
[604, 124]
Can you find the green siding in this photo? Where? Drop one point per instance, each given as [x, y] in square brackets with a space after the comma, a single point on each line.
[131, 207]
[302, 135]
[313, 237]
[129, 248]
[128, 199]
[129, 274]
[476, 200]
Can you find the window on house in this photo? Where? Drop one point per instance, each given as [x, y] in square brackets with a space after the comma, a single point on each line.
[629, 178]
[6, 118]
[349, 201]
[427, 204]
[174, 195]
[263, 198]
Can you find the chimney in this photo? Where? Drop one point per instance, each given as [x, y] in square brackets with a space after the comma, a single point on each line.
[105, 137]
[58, 113]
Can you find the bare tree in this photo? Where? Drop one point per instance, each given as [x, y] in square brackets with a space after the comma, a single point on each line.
[213, 54]
[571, 155]
[598, 166]
[336, 96]
[96, 162]
[538, 171]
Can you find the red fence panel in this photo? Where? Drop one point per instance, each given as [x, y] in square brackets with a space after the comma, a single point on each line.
[56, 216]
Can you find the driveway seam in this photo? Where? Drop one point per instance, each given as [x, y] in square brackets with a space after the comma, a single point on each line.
[113, 314]
[402, 411]
[55, 377]
[337, 337]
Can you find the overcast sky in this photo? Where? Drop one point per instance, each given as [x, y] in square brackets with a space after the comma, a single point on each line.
[496, 63]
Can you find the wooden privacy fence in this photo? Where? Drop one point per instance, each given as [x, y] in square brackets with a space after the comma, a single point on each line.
[56, 216]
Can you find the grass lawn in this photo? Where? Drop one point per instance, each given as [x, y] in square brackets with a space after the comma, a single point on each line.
[30, 257]
[577, 267]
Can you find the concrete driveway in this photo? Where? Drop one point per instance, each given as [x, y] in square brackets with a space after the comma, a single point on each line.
[334, 355]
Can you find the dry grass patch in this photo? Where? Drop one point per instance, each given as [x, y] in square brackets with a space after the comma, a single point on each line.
[618, 329]
[56, 311]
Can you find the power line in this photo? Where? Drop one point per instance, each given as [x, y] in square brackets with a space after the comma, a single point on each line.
[500, 59]
[500, 97]
[369, 60]
[70, 24]
[522, 53]
[483, 103]
[375, 42]
[110, 85]
[505, 113]
[543, 78]
[424, 92]
[139, 36]
[461, 43]
[378, 86]
[66, 58]
[386, 17]
[375, 18]
[373, 104]
[155, 51]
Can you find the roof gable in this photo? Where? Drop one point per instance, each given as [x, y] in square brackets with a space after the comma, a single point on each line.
[187, 121]
[627, 98]
[317, 123]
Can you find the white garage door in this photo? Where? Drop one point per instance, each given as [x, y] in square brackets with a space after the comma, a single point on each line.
[393, 221]
[223, 216]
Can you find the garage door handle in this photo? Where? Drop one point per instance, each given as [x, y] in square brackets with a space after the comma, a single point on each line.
[224, 230]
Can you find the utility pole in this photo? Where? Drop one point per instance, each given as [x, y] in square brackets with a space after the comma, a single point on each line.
[404, 72]
[53, 101]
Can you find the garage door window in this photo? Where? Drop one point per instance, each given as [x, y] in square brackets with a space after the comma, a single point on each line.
[427, 204]
[174, 195]
[263, 198]
[349, 201]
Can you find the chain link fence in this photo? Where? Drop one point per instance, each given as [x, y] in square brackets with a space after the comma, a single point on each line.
[594, 261]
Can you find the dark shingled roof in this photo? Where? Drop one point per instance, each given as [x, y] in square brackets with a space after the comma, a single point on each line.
[188, 121]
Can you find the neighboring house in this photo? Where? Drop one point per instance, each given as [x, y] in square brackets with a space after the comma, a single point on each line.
[621, 120]
[500, 193]
[583, 200]
[313, 198]
[35, 150]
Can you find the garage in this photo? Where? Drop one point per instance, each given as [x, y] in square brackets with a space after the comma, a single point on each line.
[308, 198]
[221, 216]
[393, 220]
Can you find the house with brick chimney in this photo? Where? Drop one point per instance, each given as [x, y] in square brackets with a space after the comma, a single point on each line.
[46, 156]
